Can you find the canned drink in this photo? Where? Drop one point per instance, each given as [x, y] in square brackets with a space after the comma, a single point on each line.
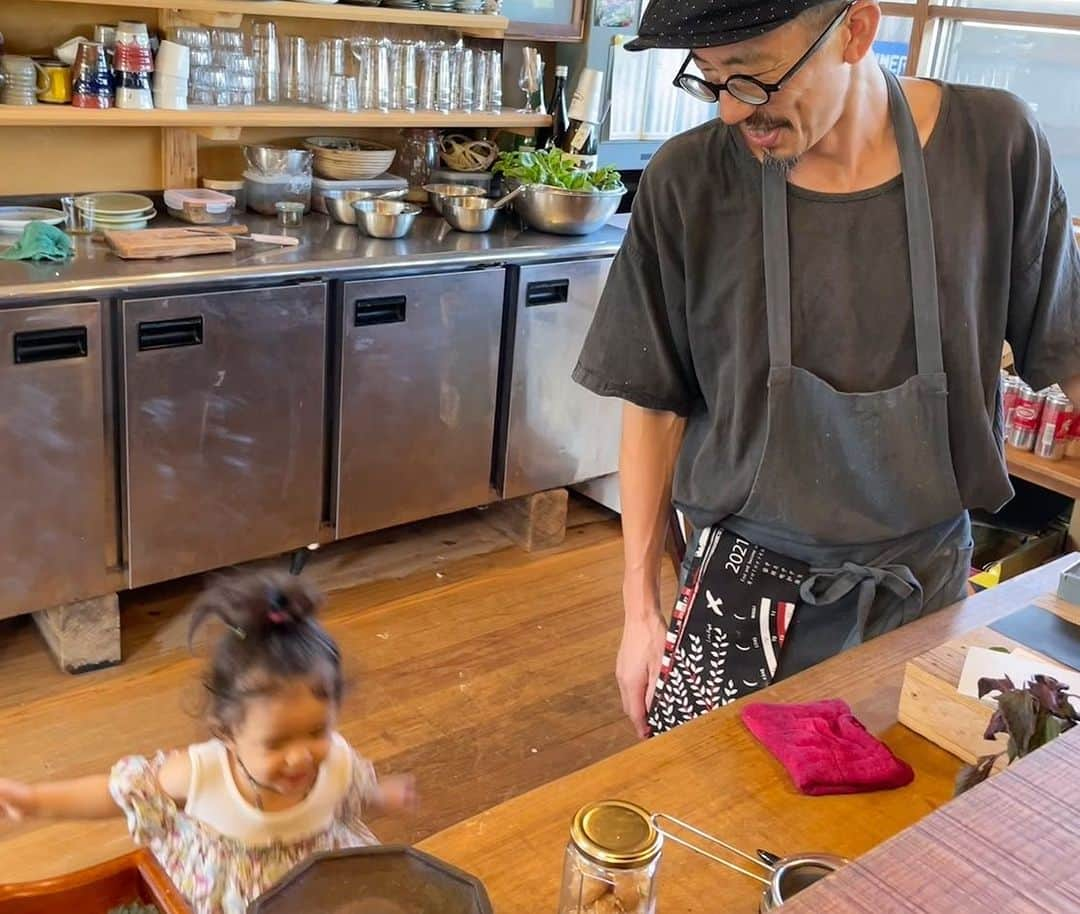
[1010, 396]
[1072, 444]
[1026, 418]
[1056, 426]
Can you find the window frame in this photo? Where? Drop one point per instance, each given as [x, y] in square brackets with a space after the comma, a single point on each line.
[926, 16]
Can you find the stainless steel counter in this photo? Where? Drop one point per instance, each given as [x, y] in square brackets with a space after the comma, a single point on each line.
[325, 250]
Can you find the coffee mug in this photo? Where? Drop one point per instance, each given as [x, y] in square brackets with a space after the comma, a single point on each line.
[24, 80]
[58, 82]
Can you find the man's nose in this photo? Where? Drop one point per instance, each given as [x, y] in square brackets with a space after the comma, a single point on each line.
[733, 111]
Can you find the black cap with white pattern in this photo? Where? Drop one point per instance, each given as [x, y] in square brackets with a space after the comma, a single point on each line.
[711, 23]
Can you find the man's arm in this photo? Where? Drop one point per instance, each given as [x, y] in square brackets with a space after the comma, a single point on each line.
[1072, 390]
[650, 444]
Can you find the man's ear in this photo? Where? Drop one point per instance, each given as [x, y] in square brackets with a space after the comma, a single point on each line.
[863, 21]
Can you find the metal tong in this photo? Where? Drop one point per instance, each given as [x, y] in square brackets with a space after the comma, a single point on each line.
[764, 860]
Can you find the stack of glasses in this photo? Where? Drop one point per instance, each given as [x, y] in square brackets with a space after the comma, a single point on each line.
[222, 72]
[133, 63]
[378, 75]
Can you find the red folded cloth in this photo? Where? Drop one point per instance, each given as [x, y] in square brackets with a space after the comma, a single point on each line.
[825, 749]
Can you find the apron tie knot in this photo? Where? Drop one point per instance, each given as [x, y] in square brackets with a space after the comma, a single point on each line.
[826, 586]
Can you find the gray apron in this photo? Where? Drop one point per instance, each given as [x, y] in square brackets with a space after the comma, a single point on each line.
[859, 486]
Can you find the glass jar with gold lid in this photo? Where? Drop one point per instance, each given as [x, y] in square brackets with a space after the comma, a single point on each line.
[611, 861]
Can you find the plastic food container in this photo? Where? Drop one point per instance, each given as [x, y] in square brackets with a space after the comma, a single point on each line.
[200, 205]
[264, 192]
[234, 187]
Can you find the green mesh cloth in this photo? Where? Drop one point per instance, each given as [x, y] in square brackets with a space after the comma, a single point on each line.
[40, 241]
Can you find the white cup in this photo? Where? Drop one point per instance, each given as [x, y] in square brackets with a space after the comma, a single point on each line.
[169, 85]
[171, 101]
[138, 99]
[130, 32]
[173, 60]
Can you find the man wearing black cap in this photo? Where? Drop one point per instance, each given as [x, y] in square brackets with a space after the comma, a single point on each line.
[807, 315]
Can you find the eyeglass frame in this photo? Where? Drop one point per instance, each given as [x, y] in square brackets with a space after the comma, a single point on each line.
[768, 88]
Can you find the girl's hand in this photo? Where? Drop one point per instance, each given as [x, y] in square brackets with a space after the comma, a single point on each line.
[397, 793]
[18, 801]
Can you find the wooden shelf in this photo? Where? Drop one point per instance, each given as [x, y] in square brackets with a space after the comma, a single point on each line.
[1062, 476]
[478, 25]
[260, 116]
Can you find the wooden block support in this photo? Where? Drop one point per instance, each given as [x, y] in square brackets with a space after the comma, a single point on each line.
[532, 521]
[83, 636]
[179, 157]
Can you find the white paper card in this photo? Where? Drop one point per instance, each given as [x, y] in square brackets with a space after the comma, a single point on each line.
[1019, 666]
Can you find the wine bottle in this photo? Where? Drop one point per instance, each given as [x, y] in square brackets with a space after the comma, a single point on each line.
[582, 139]
[560, 119]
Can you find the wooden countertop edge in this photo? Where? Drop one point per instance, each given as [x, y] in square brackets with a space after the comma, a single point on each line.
[868, 677]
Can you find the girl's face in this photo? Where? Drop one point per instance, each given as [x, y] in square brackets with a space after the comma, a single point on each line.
[284, 738]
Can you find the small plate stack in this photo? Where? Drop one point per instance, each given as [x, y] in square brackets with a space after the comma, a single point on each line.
[404, 4]
[344, 158]
[109, 211]
[470, 6]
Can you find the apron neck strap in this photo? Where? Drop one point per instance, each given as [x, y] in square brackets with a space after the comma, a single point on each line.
[920, 232]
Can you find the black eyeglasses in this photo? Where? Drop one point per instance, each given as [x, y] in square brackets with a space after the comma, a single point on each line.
[747, 89]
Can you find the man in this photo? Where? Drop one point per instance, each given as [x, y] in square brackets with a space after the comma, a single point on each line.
[807, 315]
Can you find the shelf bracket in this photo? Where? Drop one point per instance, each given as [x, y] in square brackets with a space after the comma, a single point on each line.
[179, 157]
[221, 134]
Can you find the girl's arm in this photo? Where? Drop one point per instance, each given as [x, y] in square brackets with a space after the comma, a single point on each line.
[81, 798]
[84, 798]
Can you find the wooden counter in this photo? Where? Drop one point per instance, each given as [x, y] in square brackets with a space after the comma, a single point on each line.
[714, 774]
[1061, 476]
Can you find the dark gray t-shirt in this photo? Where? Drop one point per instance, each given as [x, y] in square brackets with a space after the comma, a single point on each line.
[681, 325]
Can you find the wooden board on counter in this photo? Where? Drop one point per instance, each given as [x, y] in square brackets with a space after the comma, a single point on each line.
[1009, 846]
[713, 774]
[930, 704]
[150, 244]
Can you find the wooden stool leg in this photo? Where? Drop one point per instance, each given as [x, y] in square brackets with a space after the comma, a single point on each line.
[83, 636]
[532, 521]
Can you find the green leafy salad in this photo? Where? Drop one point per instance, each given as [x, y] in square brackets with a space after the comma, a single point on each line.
[555, 168]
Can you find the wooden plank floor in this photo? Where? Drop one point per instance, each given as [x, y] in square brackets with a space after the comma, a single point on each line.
[485, 674]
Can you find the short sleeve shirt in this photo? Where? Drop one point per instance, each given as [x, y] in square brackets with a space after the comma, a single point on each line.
[681, 325]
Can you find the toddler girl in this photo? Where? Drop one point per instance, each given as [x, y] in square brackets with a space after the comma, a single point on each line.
[229, 817]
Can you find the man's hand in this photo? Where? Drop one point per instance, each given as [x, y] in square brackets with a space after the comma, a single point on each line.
[638, 664]
[18, 801]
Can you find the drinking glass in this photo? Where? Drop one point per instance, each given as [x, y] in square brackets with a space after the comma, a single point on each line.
[495, 78]
[295, 78]
[264, 48]
[403, 77]
[482, 82]
[463, 92]
[337, 96]
[531, 81]
[227, 39]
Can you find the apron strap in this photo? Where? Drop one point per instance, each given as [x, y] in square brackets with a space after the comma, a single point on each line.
[826, 586]
[921, 253]
[774, 226]
[920, 232]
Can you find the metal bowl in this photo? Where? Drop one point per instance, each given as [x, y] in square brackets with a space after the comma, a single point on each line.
[439, 193]
[277, 160]
[339, 203]
[567, 212]
[470, 214]
[385, 218]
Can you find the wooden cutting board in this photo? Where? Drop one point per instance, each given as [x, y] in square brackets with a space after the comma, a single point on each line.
[1009, 846]
[930, 704]
[148, 244]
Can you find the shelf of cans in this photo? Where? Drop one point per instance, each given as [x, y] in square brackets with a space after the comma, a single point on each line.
[1044, 422]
